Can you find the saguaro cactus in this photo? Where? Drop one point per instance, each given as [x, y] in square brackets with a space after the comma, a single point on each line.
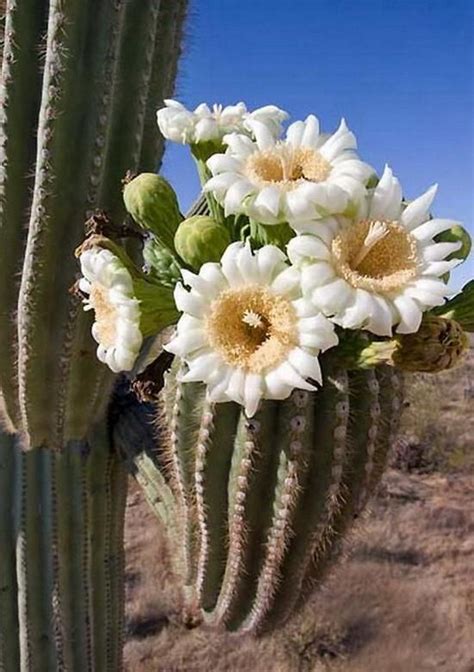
[81, 82]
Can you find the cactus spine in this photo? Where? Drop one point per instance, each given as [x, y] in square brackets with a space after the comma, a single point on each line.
[81, 82]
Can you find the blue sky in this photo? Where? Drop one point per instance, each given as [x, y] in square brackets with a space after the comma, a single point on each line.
[399, 71]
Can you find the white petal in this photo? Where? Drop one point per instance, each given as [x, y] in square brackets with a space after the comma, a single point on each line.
[268, 200]
[189, 302]
[263, 136]
[381, 318]
[387, 197]
[305, 364]
[306, 247]
[219, 184]
[439, 251]
[253, 391]
[236, 386]
[276, 387]
[340, 141]
[439, 268]
[333, 297]
[270, 260]
[223, 163]
[186, 343]
[316, 275]
[199, 367]
[432, 227]
[248, 265]
[287, 281]
[292, 378]
[418, 210]
[410, 315]
[211, 272]
[229, 264]
[311, 132]
[233, 200]
[295, 133]
[239, 144]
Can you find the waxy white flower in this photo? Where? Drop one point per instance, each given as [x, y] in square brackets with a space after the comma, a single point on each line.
[246, 331]
[303, 177]
[116, 328]
[380, 269]
[204, 124]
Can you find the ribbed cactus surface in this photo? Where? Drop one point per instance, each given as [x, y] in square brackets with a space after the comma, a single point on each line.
[77, 111]
[61, 560]
[256, 509]
[81, 81]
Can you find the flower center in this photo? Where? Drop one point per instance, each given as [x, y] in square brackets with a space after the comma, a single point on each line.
[105, 316]
[252, 328]
[286, 166]
[379, 256]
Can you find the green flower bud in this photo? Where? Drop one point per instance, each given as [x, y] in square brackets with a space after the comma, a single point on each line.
[200, 239]
[152, 203]
[161, 264]
[454, 235]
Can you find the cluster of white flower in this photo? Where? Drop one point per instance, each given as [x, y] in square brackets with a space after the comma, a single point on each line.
[361, 257]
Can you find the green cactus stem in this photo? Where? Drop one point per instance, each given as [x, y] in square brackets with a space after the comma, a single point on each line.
[81, 82]
[259, 507]
[77, 125]
[61, 565]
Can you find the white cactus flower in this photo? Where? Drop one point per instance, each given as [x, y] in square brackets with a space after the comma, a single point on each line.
[381, 268]
[246, 331]
[204, 124]
[301, 178]
[116, 328]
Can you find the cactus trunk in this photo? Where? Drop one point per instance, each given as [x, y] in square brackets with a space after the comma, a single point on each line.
[261, 505]
[61, 565]
[81, 82]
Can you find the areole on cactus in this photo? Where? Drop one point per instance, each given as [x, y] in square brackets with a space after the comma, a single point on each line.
[298, 289]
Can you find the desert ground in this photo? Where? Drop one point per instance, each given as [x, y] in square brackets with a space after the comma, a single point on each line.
[401, 600]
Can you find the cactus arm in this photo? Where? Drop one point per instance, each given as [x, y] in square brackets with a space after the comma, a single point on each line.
[359, 490]
[9, 649]
[129, 103]
[162, 79]
[115, 563]
[185, 424]
[250, 483]
[72, 549]
[212, 466]
[295, 435]
[20, 88]
[66, 140]
[34, 564]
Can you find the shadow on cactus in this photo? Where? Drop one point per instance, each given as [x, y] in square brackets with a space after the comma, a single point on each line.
[262, 339]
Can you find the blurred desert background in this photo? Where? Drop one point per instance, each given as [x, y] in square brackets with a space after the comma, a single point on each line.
[401, 600]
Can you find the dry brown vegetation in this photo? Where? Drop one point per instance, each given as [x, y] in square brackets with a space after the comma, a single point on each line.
[401, 601]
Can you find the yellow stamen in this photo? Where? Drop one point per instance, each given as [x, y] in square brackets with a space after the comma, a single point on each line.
[105, 315]
[252, 328]
[377, 231]
[379, 256]
[287, 166]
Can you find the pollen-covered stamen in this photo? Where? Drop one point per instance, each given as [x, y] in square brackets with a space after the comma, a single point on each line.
[378, 256]
[105, 316]
[252, 328]
[287, 166]
[377, 231]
